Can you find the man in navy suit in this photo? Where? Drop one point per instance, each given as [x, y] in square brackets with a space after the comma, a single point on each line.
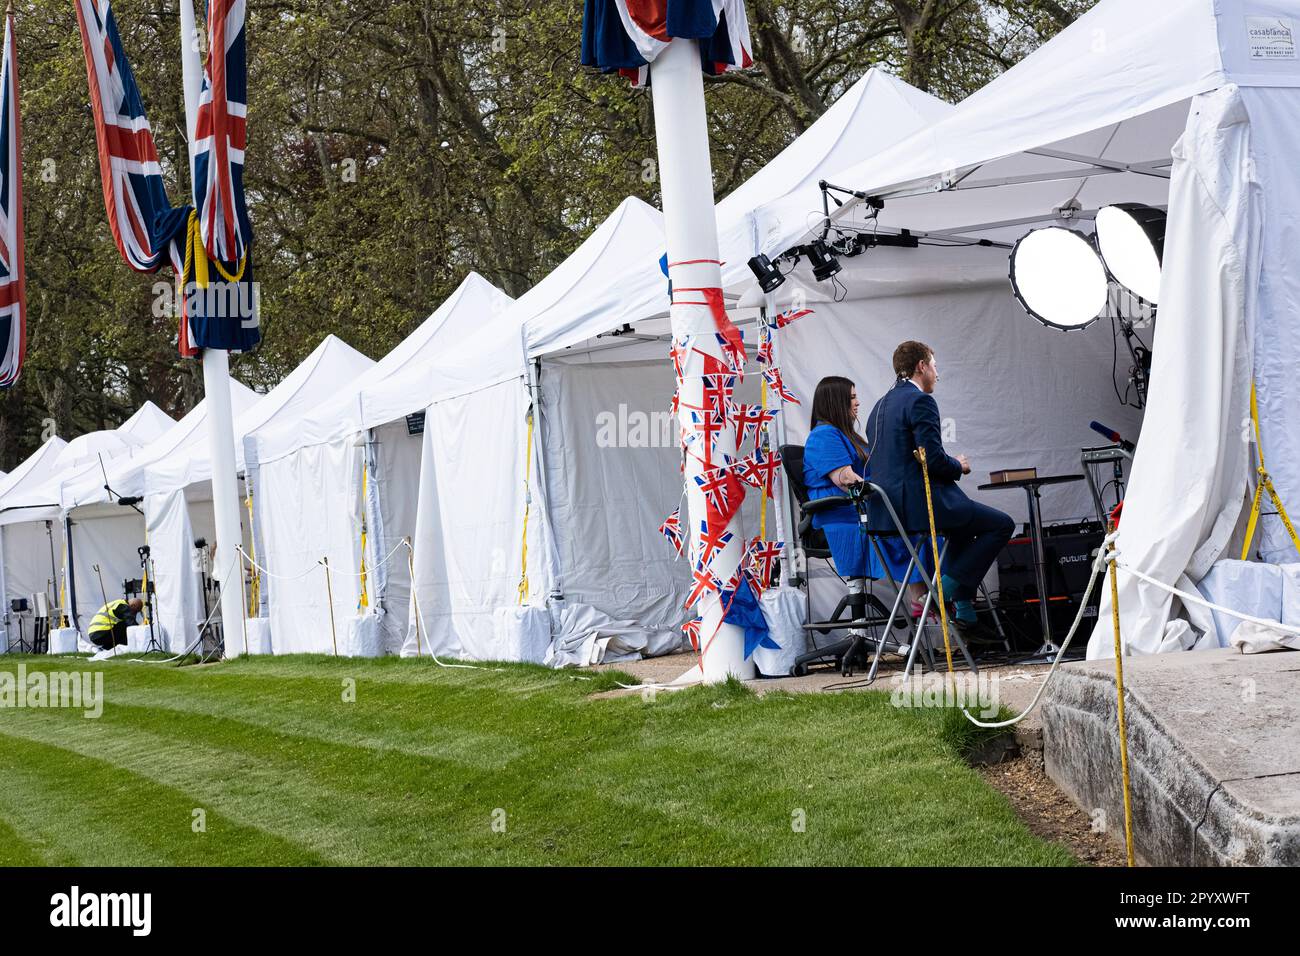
[907, 418]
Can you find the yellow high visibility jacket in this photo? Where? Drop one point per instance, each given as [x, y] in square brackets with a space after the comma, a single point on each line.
[109, 615]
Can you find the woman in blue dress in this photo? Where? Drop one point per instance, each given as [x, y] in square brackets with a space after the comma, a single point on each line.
[836, 457]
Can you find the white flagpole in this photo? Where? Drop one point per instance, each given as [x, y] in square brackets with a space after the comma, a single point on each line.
[686, 181]
[227, 567]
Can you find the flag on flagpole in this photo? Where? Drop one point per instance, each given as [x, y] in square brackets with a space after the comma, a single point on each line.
[145, 226]
[13, 275]
[221, 136]
[218, 306]
[626, 36]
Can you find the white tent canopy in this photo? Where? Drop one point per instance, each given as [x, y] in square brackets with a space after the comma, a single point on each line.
[147, 423]
[1092, 118]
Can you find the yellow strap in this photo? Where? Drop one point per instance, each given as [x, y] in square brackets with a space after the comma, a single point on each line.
[528, 465]
[364, 601]
[1123, 729]
[1265, 482]
[63, 597]
[938, 574]
[255, 577]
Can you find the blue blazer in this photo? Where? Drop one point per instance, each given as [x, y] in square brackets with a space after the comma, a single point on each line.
[904, 419]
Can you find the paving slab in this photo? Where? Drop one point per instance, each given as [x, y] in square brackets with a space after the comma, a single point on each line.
[1214, 753]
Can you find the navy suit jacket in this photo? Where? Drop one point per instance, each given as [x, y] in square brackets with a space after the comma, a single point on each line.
[905, 419]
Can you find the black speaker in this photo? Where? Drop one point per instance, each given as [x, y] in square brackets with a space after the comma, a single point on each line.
[1068, 552]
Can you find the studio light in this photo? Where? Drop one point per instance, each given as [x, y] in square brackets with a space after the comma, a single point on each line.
[1131, 240]
[1057, 278]
[823, 260]
[769, 276]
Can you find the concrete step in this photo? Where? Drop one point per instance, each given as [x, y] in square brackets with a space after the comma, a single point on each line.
[1214, 753]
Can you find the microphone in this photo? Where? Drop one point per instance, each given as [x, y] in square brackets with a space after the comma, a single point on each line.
[1112, 435]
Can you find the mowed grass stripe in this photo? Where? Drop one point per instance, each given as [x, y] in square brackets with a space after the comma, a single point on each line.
[75, 810]
[412, 772]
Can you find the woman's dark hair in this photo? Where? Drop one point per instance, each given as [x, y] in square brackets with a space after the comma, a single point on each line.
[833, 405]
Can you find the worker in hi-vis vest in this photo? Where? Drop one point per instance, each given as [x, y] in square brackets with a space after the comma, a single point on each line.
[108, 626]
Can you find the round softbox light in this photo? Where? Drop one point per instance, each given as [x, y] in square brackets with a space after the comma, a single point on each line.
[1058, 278]
[1131, 240]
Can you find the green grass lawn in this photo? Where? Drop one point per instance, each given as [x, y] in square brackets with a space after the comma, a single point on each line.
[419, 768]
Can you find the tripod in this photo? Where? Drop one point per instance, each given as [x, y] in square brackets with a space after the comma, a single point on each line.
[146, 566]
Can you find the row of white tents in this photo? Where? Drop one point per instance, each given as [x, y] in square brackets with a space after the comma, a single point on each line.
[492, 488]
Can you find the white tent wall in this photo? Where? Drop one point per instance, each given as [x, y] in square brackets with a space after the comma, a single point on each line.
[178, 600]
[1274, 116]
[395, 480]
[469, 547]
[300, 529]
[613, 475]
[26, 568]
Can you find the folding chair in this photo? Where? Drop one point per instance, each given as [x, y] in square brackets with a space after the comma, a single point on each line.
[858, 599]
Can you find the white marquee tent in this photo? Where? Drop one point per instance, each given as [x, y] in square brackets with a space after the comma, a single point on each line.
[30, 512]
[1189, 103]
[104, 533]
[178, 487]
[352, 462]
[602, 502]
[24, 544]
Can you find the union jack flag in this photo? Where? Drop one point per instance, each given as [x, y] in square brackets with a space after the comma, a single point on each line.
[13, 273]
[791, 315]
[672, 529]
[692, 631]
[704, 581]
[772, 375]
[759, 470]
[627, 35]
[765, 353]
[145, 226]
[722, 493]
[706, 426]
[711, 542]
[749, 419]
[220, 136]
[760, 558]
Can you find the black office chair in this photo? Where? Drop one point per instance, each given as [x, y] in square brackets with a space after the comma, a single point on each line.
[851, 612]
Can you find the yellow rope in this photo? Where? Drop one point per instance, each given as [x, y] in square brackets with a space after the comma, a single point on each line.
[1265, 483]
[63, 597]
[1123, 730]
[201, 261]
[255, 579]
[528, 461]
[938, 575]
[364, 601]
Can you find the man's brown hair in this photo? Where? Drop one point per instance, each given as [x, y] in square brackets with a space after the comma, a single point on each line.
[908, 356]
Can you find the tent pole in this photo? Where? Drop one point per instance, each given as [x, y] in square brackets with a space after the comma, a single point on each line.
[556, 574]
[72, 576]
[686, 186]
[227, 568]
